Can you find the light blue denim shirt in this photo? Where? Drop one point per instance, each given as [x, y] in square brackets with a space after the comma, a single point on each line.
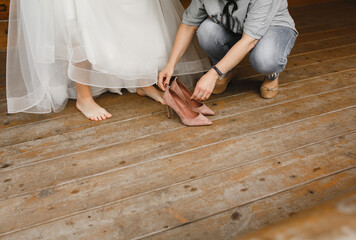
[252, 17]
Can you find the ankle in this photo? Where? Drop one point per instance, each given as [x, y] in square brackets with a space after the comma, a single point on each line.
[85, 99]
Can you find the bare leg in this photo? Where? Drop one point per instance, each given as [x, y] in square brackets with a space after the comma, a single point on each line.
[87, 105]
[151, 92]
[85, 102]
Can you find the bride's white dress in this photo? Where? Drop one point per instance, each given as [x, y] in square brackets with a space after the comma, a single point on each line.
[111, 44]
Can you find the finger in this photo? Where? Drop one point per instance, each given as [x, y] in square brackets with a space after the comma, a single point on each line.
[204, 97]
[199, 97]
[168, 80]
[195, 93]
[161, 77]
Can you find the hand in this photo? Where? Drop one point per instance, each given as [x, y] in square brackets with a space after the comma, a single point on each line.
[164, 77]
[205, 86]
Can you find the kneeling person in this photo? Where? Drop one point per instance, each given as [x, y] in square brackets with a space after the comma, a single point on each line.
[227, 31]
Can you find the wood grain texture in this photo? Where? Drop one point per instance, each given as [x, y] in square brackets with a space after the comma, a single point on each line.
[183, 203]
[4, 9]
[3, 35]
[237, 221]
[76, 122]
[285, 113]
[4, 16]
[335, 219]
[63, 169]
[143, 176]
[117, 133]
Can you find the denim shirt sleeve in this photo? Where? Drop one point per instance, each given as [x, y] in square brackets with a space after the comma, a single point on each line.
[260, 14]
[195, 13]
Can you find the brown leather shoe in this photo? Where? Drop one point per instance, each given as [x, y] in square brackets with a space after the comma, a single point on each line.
[221, 85]
[268, 92]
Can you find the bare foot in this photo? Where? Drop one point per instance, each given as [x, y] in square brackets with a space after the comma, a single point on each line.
[151, 92]
[92, 110]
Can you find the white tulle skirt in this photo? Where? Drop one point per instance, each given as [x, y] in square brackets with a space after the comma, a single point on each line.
[108, 45]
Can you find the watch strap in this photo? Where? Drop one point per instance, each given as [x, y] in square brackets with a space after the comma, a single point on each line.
[221, 75]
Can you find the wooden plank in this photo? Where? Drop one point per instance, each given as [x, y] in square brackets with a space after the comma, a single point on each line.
[4, 15]
[108, 100]
[234, 222]
[115, 133]
[339, 23]
[317, 50]
[2, 70]
[246, 218]
[316, 18]
[307, 2]
[133, 107]
[4, 9]
[3, 35]
[181, 203]
[335, 219]
[23, 180]
[226, 129]
[324, 44]
[319, 42]
[302, 72]
[321, 14]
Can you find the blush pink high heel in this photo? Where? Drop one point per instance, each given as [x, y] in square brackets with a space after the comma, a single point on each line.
[185, 94]
[187, 115]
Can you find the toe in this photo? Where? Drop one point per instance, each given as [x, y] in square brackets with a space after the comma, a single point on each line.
[106, 114]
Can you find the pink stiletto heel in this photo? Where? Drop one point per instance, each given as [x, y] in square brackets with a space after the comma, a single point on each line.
[185, 94]
[187, 115]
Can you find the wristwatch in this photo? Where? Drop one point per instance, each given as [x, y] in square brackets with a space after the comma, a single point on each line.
[221, 75]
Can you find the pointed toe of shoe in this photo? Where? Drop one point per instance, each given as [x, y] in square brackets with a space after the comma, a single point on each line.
[206, 111]
[200, 120]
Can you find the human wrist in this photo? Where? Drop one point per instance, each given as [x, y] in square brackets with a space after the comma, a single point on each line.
[213, 74]
[173, 61]
[219, 73]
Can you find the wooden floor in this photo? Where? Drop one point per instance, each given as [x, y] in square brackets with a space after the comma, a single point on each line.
[141, 175]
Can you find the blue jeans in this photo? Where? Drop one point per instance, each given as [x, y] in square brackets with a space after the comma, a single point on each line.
[268, 57]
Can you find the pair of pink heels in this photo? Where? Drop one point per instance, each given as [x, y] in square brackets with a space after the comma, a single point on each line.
[190, 112]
